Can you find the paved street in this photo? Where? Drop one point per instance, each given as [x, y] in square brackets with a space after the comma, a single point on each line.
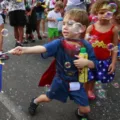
[20, 83]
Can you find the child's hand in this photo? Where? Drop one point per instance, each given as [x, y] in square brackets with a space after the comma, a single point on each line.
[111, 68]
[16, 51]
[80, 62]
[79, 70]
[54, 20]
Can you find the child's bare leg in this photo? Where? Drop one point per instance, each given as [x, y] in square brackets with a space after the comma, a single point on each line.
[89, 87]
[82, 112]
[35, 102]
[42, 98]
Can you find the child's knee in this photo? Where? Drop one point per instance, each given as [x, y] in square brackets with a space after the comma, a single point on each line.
[84, 110]
[43, 98]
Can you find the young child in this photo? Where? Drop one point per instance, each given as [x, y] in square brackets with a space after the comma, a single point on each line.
[116, 21]
[52, 21]
[67, 64]
[104, 34]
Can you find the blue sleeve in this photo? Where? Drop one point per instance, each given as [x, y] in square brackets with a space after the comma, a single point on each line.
[52, 48]
[90, 51]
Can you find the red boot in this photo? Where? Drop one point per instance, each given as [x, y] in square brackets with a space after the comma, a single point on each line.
[91, 95]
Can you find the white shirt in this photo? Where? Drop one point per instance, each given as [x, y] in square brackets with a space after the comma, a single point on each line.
[16, 5]
[74, 2]
[54, 15]
[3, 5]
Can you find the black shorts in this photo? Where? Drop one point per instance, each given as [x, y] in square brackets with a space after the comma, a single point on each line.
[29, 29]
[17, 18]
[31, 23]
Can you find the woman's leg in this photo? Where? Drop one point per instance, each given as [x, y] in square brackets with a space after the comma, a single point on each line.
[3, 57]
[1, 37]
[43, 25]
[20, 32]
[38, 29]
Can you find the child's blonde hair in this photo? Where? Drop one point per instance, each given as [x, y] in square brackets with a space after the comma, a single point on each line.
[78, 15]
[59, 4]
[95, 8]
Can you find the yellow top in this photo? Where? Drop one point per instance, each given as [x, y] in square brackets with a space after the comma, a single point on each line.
[44, 6]
[18, 0]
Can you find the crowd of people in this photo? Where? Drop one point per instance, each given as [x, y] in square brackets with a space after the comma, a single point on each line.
[90, 24]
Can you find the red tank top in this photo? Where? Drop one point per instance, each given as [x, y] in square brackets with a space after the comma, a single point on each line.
[100, 47]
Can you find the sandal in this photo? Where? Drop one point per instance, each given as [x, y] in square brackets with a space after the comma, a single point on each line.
[4, 57]
[39, 37]
[33, 41]
[25, 42]
[44, 35]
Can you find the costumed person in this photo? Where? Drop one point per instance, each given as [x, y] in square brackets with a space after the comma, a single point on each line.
[68, 63]
[102, 35]
[116, 21]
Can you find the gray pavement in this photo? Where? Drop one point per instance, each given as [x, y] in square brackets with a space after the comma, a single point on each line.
[20, 83]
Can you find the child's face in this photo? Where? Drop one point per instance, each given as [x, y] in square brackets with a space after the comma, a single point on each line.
[57, 9]
[69, 30]
[104, 15]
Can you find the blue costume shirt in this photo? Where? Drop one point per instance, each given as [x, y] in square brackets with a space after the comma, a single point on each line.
[66, 72]
[55, 49]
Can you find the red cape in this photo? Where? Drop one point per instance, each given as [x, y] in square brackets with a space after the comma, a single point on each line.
[47, 77]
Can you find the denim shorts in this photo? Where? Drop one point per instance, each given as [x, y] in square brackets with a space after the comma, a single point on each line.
[59, 90]
[40, 15]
